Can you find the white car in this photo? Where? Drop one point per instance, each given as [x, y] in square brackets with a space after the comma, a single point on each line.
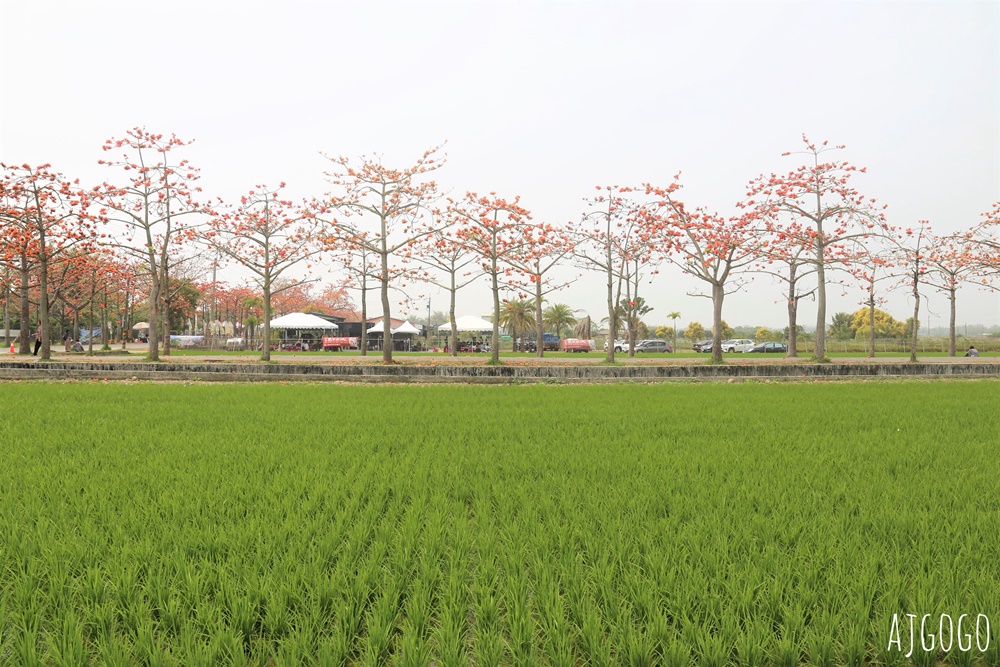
[620, 345]
[738, 345]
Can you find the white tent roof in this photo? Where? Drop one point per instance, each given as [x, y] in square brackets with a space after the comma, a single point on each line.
[301, 321]
[406, 328]
[468, 323]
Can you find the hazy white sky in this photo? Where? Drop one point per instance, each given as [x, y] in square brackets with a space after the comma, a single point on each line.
[544, 100]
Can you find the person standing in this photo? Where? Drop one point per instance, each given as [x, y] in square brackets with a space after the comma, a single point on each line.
[38, 340]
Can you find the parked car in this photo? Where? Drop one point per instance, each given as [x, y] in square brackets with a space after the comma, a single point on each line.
[737, 345]
[771, 347]
[550, 342]
[620, 346]
[703, 346]
[653, 345]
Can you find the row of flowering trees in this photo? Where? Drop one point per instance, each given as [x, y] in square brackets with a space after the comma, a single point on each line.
[388, 228]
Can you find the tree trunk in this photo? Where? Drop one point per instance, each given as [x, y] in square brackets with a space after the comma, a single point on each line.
[871, 333]
[819, 350]
[265, 350]
[453, 351]
[386, 323]
[539, 325]
[495, 341]
[793, 327]
[612, 323]
[364, 317]
[105, 337]
[90, 323]
[718, 294]
[25, 343]
[951, 323]
[126, 331]
[6, 306]
[165, 322]
[916, 315]
[819, 346]
[153, 342]
[793, 314]
[43, 296]
[165, 292]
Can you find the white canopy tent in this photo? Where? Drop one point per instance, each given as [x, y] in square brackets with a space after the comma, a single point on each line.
[406, 328]
[469, 323]
[301, 321]
[298, 323]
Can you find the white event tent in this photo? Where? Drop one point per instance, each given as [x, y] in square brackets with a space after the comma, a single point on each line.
[469, 323]
[301, 321]
[406, 328]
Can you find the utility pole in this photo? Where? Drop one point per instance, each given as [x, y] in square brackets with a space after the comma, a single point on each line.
[215, 313]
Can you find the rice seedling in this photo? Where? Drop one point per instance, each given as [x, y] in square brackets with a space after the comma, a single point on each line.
[560, 525]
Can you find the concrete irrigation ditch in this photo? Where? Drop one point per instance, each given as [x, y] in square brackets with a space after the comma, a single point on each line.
[568, 373]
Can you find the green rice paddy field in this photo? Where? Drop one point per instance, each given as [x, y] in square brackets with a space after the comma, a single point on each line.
[754, 524]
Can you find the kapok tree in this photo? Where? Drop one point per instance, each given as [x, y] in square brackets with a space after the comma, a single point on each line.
[84, 280]
[17, 251]
[334, 299]
[232, 307]
[985, 237]
[546, 247]
[69, 282]
[819, 198]
[7, 281]
[954, 261]
[124, 285]
[716, 250]
[267, 236]
[385, 211]
[911, 251]
[55, 214]
[609, 239]
[453, 266]
[788, 260]
[155, 203]
[291, 295]
[492, 229]
[364, 273]
[870, 265]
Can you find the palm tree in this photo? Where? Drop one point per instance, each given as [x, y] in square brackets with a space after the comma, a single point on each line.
[630, 314]
[518, 315]
[253, 305]
[674, 315]
[558, 316]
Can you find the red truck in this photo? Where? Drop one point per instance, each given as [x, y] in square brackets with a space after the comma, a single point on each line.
[340, 343]
[578, 345]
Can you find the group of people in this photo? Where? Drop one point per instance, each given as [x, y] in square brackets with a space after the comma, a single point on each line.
[69, 343]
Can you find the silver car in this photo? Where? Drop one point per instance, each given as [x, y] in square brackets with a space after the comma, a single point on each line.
[654, 345]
